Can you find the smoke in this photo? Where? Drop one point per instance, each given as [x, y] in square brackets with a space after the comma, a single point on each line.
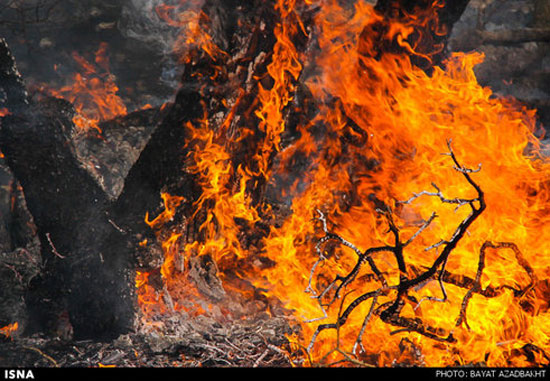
[141, 20]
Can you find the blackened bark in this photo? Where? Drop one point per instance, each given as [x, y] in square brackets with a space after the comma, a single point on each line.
[431, 38]
[86, 265]
[85, 270]
[12, 90]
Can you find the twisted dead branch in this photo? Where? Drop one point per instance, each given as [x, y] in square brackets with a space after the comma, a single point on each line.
[411, 276]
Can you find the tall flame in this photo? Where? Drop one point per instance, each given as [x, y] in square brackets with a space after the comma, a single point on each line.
[377, 137]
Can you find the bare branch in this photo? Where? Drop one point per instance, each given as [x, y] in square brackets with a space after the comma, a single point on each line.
[439, 194]
[421, 229]
[389, 312]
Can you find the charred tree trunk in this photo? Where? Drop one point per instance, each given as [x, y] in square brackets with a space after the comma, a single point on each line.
[162, 164]
[86, 269]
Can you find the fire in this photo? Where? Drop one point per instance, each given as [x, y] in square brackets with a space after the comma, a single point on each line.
[378, 141]
[8, 330]
[188, 20]
[100, 365]
[92, 91]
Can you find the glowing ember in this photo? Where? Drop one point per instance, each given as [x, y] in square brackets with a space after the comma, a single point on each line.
[100, 365]
[375, 145]
[8, 330]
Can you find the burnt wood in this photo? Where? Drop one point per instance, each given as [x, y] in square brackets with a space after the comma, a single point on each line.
[88, 240]
[12, 90]
[86, 272]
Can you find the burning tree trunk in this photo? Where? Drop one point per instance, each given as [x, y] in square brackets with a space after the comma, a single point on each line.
[162, 164]
[86, 239]
[267, 117]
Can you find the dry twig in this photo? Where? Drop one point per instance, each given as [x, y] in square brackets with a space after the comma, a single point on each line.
[389, 312]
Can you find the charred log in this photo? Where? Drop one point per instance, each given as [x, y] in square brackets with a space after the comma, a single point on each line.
[506, 37]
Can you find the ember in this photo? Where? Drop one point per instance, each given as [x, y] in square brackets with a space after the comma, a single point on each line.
[9, 329]
[330, 186]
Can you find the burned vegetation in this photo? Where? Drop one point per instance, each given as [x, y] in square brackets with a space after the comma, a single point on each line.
[304, 199]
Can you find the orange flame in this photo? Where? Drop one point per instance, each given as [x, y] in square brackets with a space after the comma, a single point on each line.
[8, 330]
[192, 33]
[407, 115]
[93, 92]
[100, 365]
[378, 137]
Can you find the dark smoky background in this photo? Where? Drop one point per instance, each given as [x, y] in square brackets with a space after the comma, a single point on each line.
[514, 36]
[44, 34]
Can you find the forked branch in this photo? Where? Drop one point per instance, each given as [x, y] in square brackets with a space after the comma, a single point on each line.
[389, 312]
